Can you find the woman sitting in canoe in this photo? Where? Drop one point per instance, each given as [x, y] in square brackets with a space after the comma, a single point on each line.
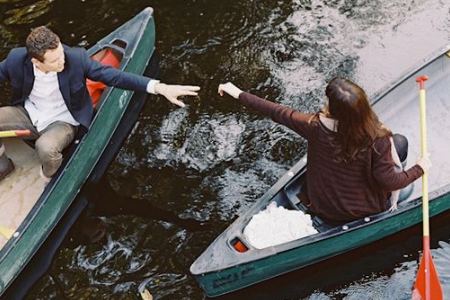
[353, 164]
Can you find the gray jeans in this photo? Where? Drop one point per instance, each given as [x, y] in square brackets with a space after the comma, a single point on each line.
[49, 143]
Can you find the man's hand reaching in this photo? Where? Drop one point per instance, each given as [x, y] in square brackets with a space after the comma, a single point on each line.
[172, 92]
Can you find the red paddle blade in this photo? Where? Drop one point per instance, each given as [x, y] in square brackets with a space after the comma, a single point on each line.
[420, 290]
[23, 132]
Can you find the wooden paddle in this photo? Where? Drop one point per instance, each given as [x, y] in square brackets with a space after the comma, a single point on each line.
[427, 285]
[14, 133]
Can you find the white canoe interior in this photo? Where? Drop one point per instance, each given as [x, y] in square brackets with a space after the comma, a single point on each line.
[21, 189]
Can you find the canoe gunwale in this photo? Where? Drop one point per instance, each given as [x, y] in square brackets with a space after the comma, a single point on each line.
[386, 89]
[133, 41]
[404, 207]
[290, 249]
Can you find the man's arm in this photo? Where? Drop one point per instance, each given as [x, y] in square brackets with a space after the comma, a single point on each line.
[114, 77]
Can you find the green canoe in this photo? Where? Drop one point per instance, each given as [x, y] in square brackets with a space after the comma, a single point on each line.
[230, 263]
[34, 217]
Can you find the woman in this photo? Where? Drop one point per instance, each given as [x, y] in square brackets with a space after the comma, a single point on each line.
[352, 168]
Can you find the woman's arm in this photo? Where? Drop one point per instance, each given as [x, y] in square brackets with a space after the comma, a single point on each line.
[292, 119]
[384, 171]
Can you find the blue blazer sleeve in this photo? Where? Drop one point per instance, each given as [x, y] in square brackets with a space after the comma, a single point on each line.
[112, 76]
[4, 75]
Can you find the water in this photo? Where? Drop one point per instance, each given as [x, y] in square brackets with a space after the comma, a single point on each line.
[211, 160]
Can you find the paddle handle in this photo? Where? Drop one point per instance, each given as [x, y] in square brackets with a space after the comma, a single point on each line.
[14, 133]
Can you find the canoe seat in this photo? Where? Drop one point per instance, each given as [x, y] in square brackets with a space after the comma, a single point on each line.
[95, 88]
[295, 193]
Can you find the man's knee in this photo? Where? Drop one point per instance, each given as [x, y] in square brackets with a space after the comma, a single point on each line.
[54, 139]
[47, 149]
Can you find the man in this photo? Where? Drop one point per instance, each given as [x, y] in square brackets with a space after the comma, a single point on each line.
[50, 98]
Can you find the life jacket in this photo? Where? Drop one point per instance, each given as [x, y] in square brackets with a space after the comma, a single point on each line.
[95, 88]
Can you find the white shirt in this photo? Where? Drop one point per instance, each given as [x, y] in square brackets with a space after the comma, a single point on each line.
[151, 86]
[46, 105]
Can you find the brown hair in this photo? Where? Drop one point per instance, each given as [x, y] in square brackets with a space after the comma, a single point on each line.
[40, 40]
[358, 126]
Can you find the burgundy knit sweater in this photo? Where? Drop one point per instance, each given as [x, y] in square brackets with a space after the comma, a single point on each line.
[338, 191]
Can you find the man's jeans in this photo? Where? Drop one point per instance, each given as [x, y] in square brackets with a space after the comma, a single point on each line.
[49, 143]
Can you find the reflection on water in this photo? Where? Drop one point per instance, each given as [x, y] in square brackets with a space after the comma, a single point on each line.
[441, 259]
[213, 159]
[376, 286]
[27, 14]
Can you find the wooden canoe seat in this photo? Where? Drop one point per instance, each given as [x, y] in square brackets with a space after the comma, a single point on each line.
[105, 57]
[297, 196]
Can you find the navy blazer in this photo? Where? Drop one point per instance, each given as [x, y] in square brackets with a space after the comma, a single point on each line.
[17, 68]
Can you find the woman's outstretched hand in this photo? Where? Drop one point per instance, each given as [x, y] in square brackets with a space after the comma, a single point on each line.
[230, 89]
[172, 92]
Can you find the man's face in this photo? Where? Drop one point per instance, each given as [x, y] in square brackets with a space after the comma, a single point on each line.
[53, 60]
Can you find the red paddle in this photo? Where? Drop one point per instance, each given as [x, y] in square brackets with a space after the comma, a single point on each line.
[13, 133]
[427, 284]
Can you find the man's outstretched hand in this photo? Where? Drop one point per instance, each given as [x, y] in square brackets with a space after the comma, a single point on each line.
[172, 92]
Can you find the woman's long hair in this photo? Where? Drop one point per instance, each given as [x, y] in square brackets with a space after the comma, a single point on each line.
[358, 126]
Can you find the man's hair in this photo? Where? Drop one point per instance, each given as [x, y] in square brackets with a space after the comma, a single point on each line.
[40, 40]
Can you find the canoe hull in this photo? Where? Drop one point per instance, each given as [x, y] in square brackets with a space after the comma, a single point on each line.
[232, 279]
[42, 260]
[62, 202]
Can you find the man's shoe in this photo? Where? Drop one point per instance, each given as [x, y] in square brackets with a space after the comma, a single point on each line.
[8, 170]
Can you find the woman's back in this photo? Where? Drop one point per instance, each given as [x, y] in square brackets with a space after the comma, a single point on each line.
[351, 171]
[340, 190]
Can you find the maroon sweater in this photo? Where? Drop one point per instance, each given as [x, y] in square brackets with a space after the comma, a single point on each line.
[340, 192]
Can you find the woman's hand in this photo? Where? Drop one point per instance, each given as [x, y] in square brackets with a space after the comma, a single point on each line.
[172, 92]
[424, 162]
[230, 89]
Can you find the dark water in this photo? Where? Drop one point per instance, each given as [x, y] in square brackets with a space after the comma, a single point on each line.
[213, 159]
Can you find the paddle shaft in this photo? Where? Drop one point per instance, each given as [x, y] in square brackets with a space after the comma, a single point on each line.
[14, 133]
[425, 206]
[424, 152]
[427, 285]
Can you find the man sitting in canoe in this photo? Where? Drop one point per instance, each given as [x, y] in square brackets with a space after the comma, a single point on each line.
[50, 98]
[352, 157]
